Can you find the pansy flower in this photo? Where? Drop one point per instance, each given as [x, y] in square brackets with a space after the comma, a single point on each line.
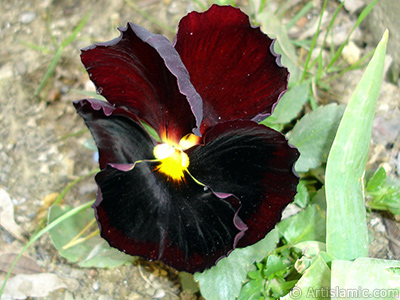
[215, 179]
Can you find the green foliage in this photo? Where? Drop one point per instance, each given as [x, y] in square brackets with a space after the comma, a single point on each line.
[346, 166]
[315, 279]
[383, 195]
[92, 252]
[224, 281]
[309, 253]
[289, 106]
[59, 52]
[302, 197]
[273, 26]
[268, 281]
[372, 278]
[313, 135]
[307, 225]
[41, 232]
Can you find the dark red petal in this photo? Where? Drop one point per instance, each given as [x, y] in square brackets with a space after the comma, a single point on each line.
[231, 65]
[117, 132]
[181, 224]
[252, 162]
[143, 73]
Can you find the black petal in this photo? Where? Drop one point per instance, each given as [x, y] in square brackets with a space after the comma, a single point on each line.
[182, 224]
[118, 134]
[252, 162]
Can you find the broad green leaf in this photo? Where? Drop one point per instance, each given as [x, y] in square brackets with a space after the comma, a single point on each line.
[366, 278]
[290, 105]
[274, 27]
[307, 225]
[224, 281]
[347, 235]
[94, 252]
[302, 197]
[313, 135]
[314, 284]
[320, 199]
[38, 234]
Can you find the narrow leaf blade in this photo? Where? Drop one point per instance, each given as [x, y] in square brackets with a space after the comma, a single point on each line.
[347, 236]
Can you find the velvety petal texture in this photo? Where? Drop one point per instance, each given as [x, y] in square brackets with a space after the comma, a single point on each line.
[231, 64]
[188, 200]
[117, 132]
[255, 164]
[184, 225]
[143, 73]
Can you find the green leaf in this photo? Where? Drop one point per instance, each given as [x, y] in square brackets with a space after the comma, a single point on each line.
[224, 281]
[347, 235]
[94, 252]
[381, 194]
[90, 94]
[38, 234]
[314, 284]
[59, 52]
[274, 267]
[290, 105]
[314, 42]
[313, 135]
[252, 290]
[188, 283]
[311, 248]
[302, 197]
[377, 181]
[370, 278]
[274, 27]
[307, 225]
[361, 18]
[320, 199]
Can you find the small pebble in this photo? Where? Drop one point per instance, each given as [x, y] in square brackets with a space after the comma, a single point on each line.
[27, 17]
[96, 286]
[351, 53]
[378, 225]
[159, 294]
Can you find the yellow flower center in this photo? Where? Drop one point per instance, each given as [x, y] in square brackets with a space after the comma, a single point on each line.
[173, 161]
